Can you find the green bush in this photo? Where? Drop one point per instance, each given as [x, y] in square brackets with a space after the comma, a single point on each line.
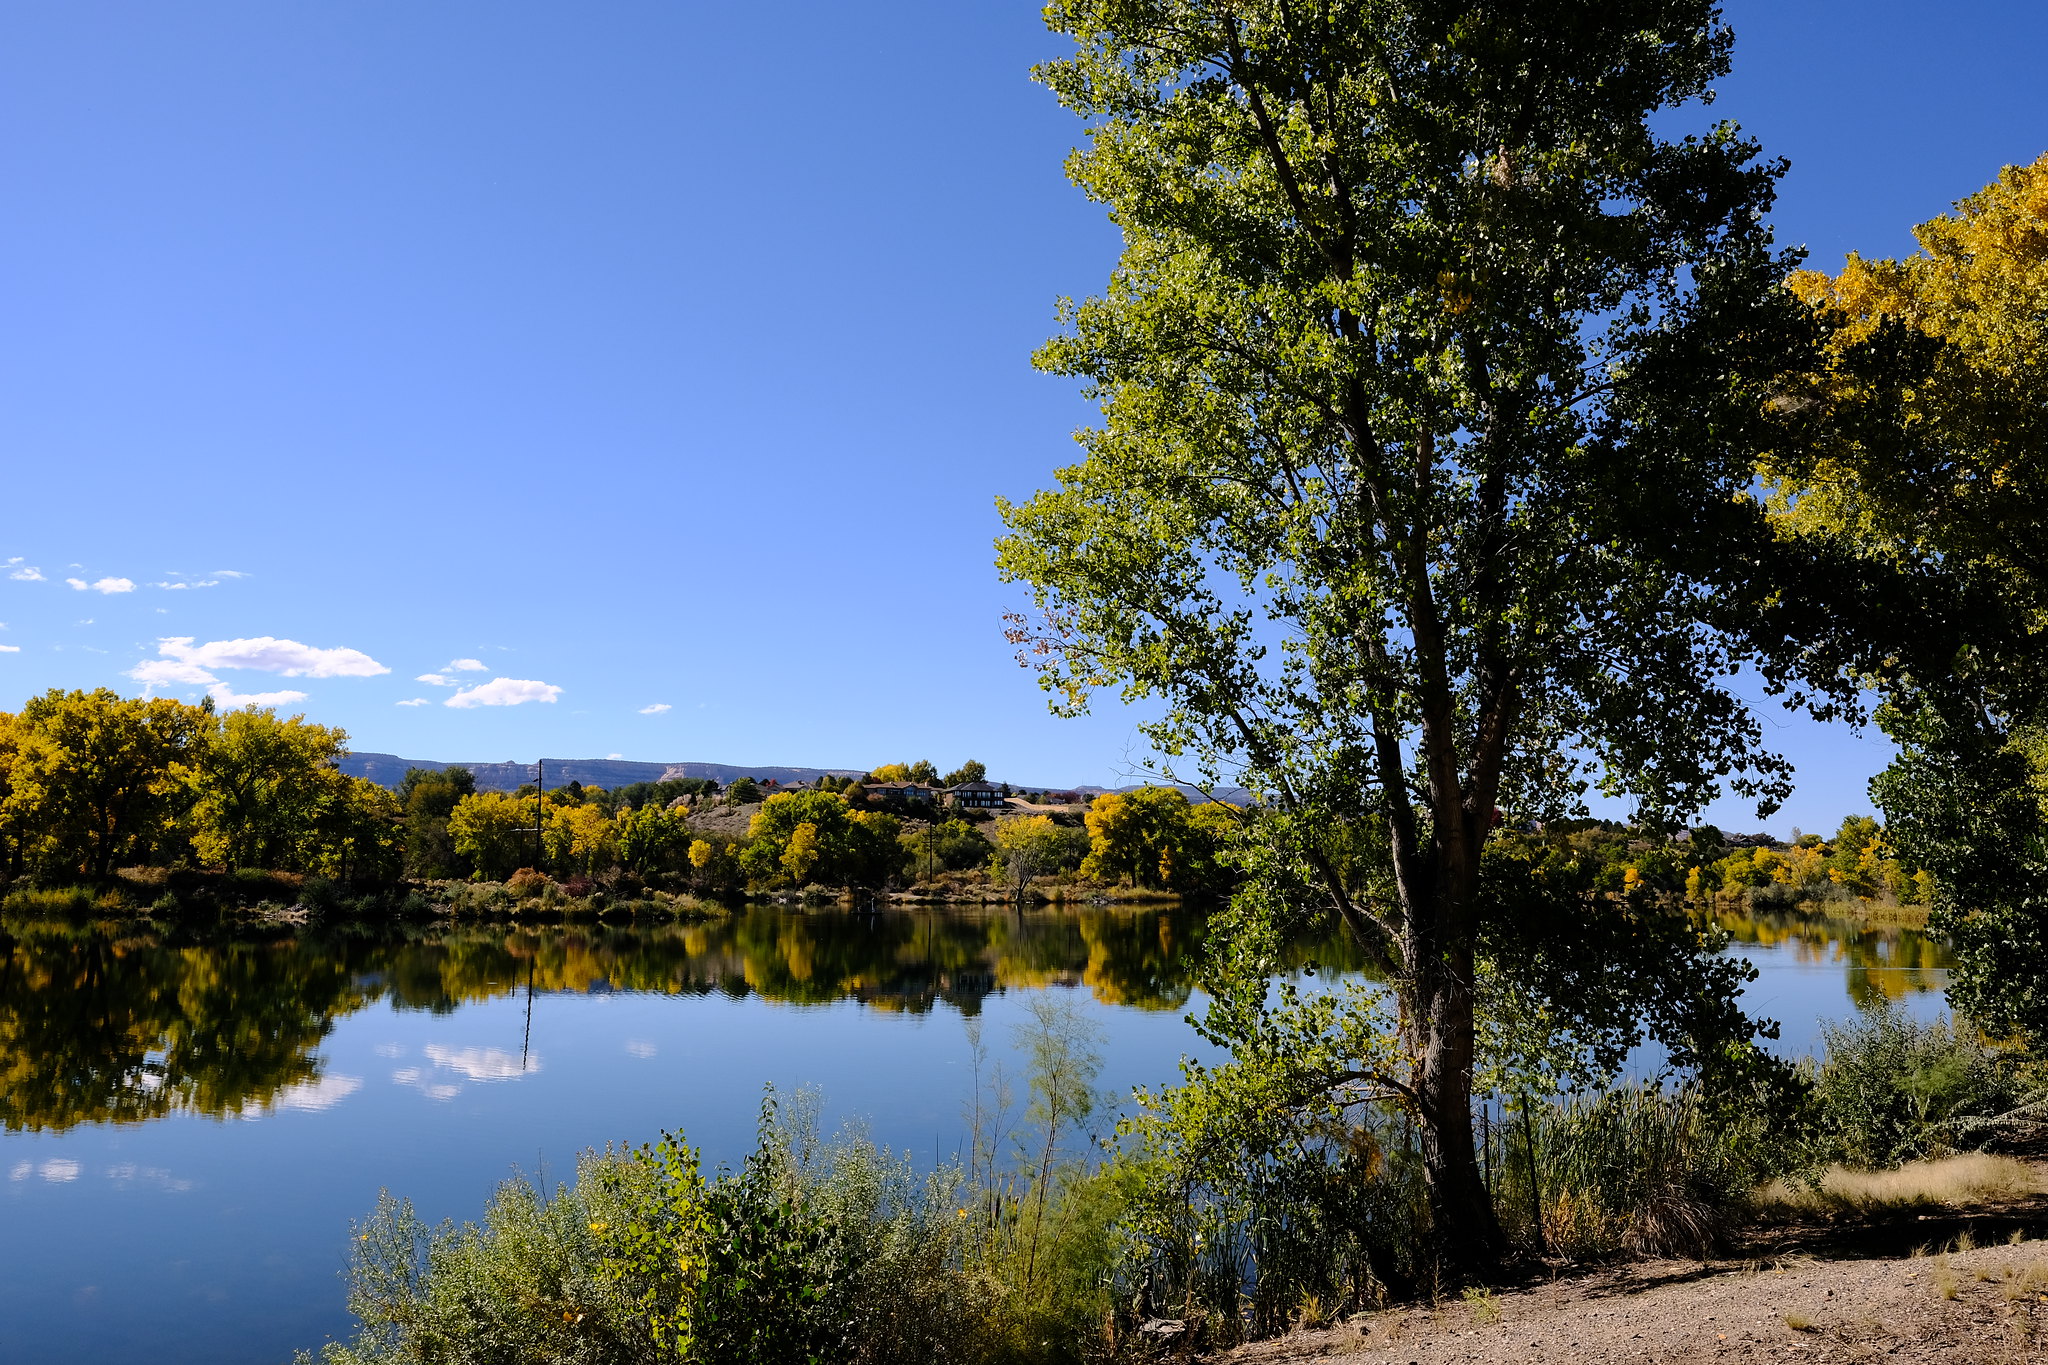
[1891, 1090]
[810, 1252]
[1244, 1212]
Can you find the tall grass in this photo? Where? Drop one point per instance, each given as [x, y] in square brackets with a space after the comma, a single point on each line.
[1641, 1169]
[1947, 1182]
[53, 900]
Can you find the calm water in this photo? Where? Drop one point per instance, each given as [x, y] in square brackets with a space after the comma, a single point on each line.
[187, 1125]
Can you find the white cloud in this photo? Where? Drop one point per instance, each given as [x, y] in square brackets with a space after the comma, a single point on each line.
[504, 692]
[10, 649]
[481, 1063]
[614, 755]
[30, 574]
[656, 709]
[414, 701]
[225, 697]
[169, 672]
[467, 666]
[179, 587]
[414, 1077]
[312, 1096]
[640, 1047]
[127, 1173]
[57, 1170]
[102, 585]
[268, 654]
[229, 573]
[436, 680]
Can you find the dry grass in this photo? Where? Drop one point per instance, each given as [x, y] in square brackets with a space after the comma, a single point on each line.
[1948, 1182]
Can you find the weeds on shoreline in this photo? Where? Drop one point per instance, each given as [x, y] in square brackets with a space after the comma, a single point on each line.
[812, 1251]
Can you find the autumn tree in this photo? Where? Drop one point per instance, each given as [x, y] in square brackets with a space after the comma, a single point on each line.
[1033, 847]
[262, 782]
[1132, 835]
[358, 831]
[1433, 376]
[652, 838]
[1937, 384]
[98, 778]
[492, 829]
[428, 797]
[578, 836]
[834, 845]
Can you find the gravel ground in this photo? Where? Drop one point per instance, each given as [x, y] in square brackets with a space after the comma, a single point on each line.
[1984, 1305]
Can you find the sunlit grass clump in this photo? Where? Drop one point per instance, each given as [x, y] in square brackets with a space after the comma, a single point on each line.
[1948, 1182]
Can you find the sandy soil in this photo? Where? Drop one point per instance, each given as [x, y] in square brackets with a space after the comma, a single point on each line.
[1978, 1306]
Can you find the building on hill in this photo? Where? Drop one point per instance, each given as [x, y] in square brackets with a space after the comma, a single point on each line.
[904, 793]
[975, 795]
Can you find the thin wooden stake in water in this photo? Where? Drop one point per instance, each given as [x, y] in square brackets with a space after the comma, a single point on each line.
[1535, 1188]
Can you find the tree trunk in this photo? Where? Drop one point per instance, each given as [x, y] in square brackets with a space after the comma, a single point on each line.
[1440, 1026]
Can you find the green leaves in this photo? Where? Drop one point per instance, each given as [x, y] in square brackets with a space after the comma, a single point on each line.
[1433, 380]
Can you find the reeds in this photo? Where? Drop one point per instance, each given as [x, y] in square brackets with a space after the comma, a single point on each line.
[1640, 1169]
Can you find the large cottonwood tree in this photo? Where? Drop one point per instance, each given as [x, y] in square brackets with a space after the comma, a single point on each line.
[1433, 378]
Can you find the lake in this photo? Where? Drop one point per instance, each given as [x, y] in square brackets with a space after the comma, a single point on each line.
[188, 1122]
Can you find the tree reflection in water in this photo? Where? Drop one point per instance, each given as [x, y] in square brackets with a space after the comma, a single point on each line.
[123, 1023]
[1880, 962]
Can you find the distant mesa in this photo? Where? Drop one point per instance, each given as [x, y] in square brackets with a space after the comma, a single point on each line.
[388, 770]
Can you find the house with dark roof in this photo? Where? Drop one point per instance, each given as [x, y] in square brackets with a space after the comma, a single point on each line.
[904, 793]
[975, 795]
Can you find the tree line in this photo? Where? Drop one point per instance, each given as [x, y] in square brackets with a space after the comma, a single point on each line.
[93, 781]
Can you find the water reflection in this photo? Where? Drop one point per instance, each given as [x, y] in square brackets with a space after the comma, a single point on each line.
[113, 1023]
[118, 1023]
[1880, 963]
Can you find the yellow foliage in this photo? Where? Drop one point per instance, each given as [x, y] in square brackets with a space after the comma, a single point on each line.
[1976, 286]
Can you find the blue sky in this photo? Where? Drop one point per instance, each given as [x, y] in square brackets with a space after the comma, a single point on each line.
[661, 359]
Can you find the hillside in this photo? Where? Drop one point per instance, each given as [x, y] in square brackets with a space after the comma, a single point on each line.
[389, 770]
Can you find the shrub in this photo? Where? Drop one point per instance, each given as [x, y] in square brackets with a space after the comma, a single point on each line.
[1891, 1089]
[54, 900]
[526, 883]
[811, 1252]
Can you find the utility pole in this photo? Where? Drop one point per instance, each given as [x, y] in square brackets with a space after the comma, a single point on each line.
[540, 788]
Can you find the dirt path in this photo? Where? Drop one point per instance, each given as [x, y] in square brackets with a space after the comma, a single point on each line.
[1978, 1306]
